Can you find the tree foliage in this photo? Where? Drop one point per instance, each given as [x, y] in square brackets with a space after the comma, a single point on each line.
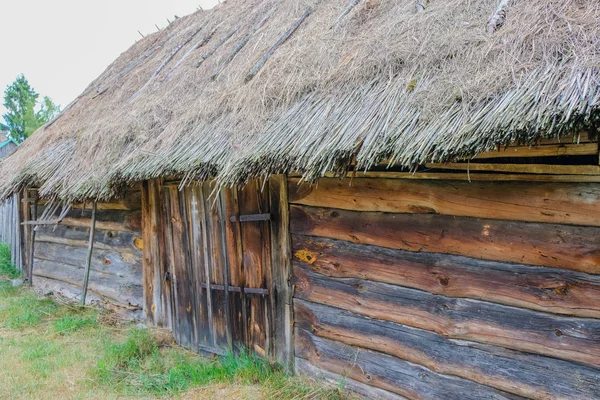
[24, 115]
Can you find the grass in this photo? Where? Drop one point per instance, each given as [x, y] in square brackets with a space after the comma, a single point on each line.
[7, 269]
[50, 350]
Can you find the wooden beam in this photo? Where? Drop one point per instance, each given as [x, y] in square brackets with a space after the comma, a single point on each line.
[557, 336]
[88, 264]
[536, 288]
[556, 150]
[465, 177]
[551, 245]
[561, 203]
[547, 169]
[281, 253]
[523, 374]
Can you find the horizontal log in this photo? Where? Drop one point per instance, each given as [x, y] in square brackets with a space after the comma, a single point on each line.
[387, 372]
[65, 291]
[116, 290]
[304, 367]
[546, 150]
[537, 288]
[562, 203]
[551, 169]
[550, 245]
[110, 220]
[568, 338]
[463, 176]
[524, 374]
[127, 263]
[79, 236]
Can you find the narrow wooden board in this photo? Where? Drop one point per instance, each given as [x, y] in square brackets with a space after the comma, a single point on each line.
[551, 245]
[562, 203]
[524, 374]
[568, 338]
[537, 288]
[551, 169]
[387, 372]
[545, 150]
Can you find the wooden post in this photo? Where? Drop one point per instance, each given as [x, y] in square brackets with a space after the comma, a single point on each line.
[89, 255]
[32, 244]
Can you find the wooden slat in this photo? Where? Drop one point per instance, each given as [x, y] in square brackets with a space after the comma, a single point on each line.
[282, 272]
[559, 246]
[564, 203]
[549, 169]
[255, 242]
[167, 274]
[182, 277]
[149, 258]
[463, 176]
[568, 338]
[124, 290]
[549, 150]
[537, 288]
[304, 367]
[204, 337]
[524, 374]
[388, 373]
[221, 329]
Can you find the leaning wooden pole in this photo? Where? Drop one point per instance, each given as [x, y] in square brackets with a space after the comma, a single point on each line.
[88, 264]
[32, 244]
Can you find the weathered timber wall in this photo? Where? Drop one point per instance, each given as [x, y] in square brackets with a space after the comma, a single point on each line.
[116, 268]
[433, 289]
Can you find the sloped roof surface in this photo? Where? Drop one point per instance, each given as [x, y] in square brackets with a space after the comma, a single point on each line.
[256, 87]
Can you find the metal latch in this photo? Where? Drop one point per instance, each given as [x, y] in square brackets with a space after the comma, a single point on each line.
[251, 218]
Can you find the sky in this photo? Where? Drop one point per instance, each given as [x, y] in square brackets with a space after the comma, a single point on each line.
[62, 45]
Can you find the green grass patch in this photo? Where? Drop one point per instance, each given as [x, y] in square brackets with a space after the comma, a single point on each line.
[139, 366]
[25, 309]
[7, 269]
[75, 321]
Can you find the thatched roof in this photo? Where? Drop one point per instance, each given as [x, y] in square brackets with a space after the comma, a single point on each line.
[256, 87]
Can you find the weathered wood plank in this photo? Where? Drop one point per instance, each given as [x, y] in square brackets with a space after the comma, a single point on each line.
[550, 245]
[165, 272]
[551, 169]
[545, 150]
[523, 374]
[304, 367]
[204, 334]
[125, 291]
[109, 220]
[76, 237]
[255, 244]
[562, 203]
[282, 272]
[569, 338]
[387, 372]
[182, 274]
[464, 176]
[149, 258]
[111, 262]
[538, 288]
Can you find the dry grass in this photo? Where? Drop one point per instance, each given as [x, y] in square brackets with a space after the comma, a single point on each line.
[382, 81]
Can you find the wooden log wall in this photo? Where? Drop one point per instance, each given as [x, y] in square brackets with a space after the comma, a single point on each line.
[428, 289]
[116, 268]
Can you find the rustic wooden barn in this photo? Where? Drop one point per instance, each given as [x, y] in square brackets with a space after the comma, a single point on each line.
[398, 194]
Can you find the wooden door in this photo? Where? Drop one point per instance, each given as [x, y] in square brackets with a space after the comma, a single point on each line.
[218, 256]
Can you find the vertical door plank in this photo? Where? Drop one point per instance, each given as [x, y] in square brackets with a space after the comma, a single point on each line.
[253, 240]
[166, 250]
[237, 300]
[182, 277]
[215, 250]
[204, 337]
[281, 292]
[207, 258]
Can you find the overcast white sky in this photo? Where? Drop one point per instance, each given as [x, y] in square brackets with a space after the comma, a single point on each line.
[62, 45]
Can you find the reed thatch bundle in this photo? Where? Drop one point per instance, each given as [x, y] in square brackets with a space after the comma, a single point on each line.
[257, 87]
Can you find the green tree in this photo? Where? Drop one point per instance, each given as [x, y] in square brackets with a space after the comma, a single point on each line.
[22, 119]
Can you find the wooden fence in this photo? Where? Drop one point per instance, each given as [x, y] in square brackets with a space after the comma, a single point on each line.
[10, 231]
